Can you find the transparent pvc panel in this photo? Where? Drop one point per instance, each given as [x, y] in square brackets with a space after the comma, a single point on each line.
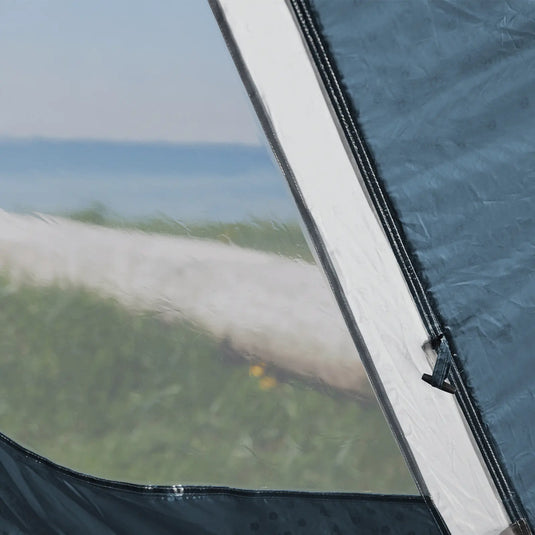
[162, 319]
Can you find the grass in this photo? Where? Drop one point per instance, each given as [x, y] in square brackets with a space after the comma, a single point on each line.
[126, 396]
[283, 238]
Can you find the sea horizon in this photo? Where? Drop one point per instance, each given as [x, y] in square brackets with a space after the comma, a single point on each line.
[184, 181]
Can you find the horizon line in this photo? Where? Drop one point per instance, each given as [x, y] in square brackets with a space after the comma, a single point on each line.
[114, 141]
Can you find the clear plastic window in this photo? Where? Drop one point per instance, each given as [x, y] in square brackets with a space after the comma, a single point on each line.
[162, 319]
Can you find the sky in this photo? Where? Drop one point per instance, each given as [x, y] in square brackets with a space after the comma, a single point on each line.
[129, 70]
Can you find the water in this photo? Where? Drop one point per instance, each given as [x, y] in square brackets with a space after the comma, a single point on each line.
[197, 182]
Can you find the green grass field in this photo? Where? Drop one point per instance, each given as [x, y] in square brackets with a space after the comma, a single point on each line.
[283, 238]
[126, 396]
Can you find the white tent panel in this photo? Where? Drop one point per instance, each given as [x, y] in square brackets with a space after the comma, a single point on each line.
[378, 299]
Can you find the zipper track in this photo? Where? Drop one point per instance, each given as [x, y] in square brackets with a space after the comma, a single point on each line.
[325, 66]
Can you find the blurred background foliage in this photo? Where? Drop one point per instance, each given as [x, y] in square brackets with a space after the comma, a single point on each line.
[283, 238]
[127, 396]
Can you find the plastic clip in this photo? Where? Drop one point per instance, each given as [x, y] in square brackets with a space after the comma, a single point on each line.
[440, 347]
[520, 527]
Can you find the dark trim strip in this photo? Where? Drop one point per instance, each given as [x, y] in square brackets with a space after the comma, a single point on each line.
[386, 213]
[38, 496]
[324, 259]
[196, 490]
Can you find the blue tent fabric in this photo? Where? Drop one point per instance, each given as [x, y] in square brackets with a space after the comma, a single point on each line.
[444, 94]
[39, 497]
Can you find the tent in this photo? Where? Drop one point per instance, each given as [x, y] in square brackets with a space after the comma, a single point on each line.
[405, 133]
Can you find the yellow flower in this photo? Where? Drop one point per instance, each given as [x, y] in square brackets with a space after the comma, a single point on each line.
[256, 370]
[267, 383]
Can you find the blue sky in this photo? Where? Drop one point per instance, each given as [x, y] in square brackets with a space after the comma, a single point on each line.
[133, 70]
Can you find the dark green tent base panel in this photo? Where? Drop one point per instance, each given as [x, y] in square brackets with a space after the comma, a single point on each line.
[40, 497]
